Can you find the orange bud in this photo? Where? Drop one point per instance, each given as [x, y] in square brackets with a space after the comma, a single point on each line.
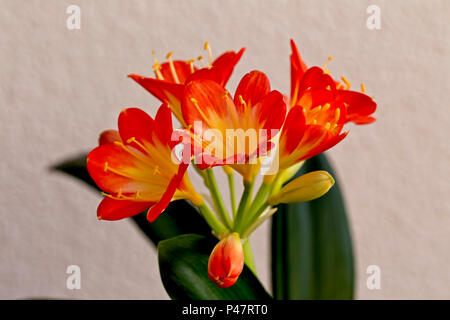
[226, 261]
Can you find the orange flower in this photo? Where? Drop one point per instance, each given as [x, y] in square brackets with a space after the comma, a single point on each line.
[172, 76]
[320, 107]
[226, 261]
[137, 169]
[216, 120]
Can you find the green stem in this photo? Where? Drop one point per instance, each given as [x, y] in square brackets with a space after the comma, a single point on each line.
[212, 220]
[230, 177]
[243, 204]
[259, 199]
[254, 219]
[212, 185]
[248, 256]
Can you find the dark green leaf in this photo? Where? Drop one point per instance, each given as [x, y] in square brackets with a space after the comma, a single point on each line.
[311, 247]
[179, 217]
[183, 264]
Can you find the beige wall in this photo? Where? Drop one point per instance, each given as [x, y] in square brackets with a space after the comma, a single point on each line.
[60, 88]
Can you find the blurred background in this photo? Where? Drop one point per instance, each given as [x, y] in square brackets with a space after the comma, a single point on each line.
[60, 88]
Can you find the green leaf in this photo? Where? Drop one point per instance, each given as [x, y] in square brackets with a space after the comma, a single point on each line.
[311, 246]
[179, 217]
[183, 264]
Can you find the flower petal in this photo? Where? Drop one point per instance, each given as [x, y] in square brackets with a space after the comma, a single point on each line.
[135, 123]
[253, 87]
[162, 204]
[166, 91]
[182, 70]
[298, 69]
[104, 157]
[359, 106]
[112, 209]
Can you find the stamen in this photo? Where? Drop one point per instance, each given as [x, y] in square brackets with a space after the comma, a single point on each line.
[207, 47]
[157, 67]
[172, 67]
[327, 125]
[314, 121]
[195, 102]
[137, 194]
[191, 64]
[233, 111]
[326, 107]
[363, 88]
[105, 167]
[347, 83]
[119, 194]
[324, 68]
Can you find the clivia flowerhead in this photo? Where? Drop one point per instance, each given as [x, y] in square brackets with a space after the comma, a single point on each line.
[173, 75]
[136, 168]
[226, 261]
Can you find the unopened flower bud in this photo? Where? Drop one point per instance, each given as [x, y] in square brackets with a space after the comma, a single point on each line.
[226, 261]
[307, 187]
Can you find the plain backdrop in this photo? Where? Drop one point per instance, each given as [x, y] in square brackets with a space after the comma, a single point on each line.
[61, 87]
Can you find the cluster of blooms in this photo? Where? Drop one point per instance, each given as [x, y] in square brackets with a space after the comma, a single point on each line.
[139, 169]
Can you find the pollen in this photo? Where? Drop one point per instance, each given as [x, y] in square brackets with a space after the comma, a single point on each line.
[105, 167]
[326, 107]
[327, 125]
[347, 83]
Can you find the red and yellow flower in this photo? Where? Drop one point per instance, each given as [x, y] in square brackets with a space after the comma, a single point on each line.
[137, 168]
[172, 76]
[320, 107]
[215, 119]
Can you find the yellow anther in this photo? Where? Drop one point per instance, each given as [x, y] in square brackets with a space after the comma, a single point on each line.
[337, 114]
[314, 121]
[347, 83]
[156, 66]
[324, 68]
[206, 46]
[363, 88]
[194, 100]
[326, 107]
[105, 167]
[169, 55]
[191, 64]
[119, 194]
[137, 194]
[200, 59]
[154, 56]
[130, 140]
[327, 125]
